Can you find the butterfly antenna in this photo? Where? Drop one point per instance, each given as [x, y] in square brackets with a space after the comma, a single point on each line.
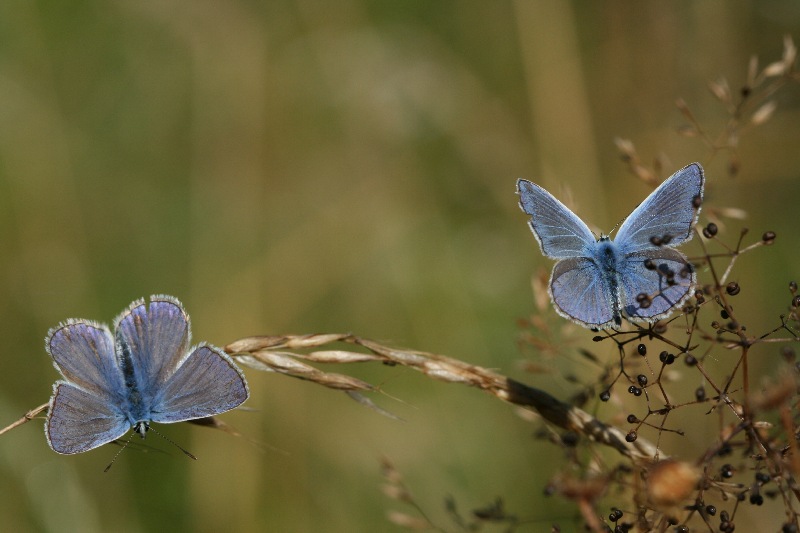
[118, 452]
[172, 442]
[615, 227]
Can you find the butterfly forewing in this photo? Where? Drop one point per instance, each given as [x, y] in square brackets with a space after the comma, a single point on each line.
[84, 354]
[155, 337]
[78, 421]
[207, 383]
[558, 230]
[669, 212]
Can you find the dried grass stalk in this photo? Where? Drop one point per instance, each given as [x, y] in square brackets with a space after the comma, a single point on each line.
[272, 353]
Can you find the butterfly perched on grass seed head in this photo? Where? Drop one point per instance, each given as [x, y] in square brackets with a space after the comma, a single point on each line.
[639, 274]
[144, 372]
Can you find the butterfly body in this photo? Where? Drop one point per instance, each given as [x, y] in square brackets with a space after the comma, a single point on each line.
[607, 258]
[638, 275]
[144, 372]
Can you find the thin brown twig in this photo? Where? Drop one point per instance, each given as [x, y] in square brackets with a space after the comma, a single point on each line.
[27, 417]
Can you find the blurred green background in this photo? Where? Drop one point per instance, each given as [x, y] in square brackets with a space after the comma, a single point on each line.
[302, 166]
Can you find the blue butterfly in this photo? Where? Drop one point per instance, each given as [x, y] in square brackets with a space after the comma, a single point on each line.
[145, 372]
[637, 275]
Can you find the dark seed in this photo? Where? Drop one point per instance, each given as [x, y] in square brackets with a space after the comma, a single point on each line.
[700, 394]
[763, 477]
[698, 295]
[569, 439]
[710, 230]
[733, 288]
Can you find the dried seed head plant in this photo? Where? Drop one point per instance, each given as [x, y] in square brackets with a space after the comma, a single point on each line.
[624, 471]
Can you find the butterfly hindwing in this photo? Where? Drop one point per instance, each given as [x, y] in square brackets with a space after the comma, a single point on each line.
[207, 383]
[581, 293]
[78, 421]
[663, 275]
